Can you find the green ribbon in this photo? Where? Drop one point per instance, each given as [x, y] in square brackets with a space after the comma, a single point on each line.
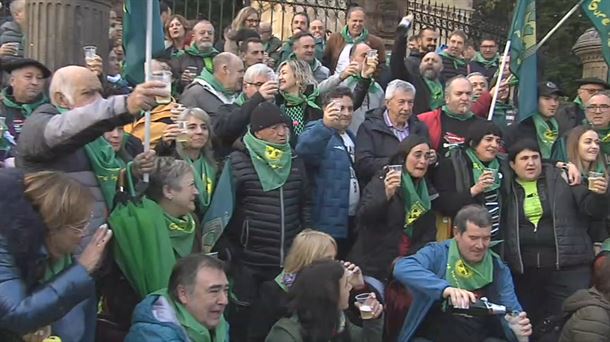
[374, 87]
[241, 99]
[205, 177]
[272, 162]
[546, 135]
[457, 61]
[453, 115]
[478, 168]
[209, 78]
[532, 206]
[196, 331]
[54, 268]
[106, 166]
[437, 94]
[362, 38]
[487, 63]
[181, 233]
[417, 201]
[464, 275]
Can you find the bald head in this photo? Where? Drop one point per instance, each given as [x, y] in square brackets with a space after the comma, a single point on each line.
[358, 52]
[229, 70]
[74, 86]
[431, 66]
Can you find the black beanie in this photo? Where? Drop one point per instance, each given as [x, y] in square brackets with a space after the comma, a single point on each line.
[478, 129]
[265, 115]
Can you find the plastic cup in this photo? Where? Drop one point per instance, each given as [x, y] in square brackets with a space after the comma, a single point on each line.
[493, 172]
[183, 136]
[593, 176]
[165, 77]
[90, 51]
[366, 310]
[394, 168]
[191, 70]
[176, 111]
[371, 53]
[16, 45]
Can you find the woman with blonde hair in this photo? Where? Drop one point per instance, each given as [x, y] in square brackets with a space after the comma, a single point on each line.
[44, 290]
[308, 246]
[246, 19]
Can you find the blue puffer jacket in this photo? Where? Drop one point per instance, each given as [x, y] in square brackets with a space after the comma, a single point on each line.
[328, 164]
[67, 301]
[424, 274]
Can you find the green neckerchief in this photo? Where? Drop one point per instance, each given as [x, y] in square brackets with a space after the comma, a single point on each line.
[55, 268]
[196, 331]
[457, 62]
[207, 56]
[362, 38]
[532, 206]
[272, 162]
[374, 88]
[579, 103]
[437, 94]
[604, 138]
[417, 201]
[106, 166]
[205, 176]
[297, 100]
[546, 135]
[487, 63]
[606, 245]
[207, 76]
[241, 99]
[460, 117]
[181, 233]
[26, 108]
[466, 276]
[478, 168]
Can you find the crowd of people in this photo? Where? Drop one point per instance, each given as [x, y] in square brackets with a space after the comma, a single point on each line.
[299, 190]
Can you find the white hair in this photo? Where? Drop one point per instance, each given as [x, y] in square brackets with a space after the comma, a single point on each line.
[16, 6]
[256, 70]
[60, 83]
[397, 85]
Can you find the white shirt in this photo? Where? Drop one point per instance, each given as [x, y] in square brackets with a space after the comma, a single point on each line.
[343, 60]
[354, 188]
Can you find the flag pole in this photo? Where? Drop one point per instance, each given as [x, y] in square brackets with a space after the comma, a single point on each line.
[558, 25]
[492, 108]
[148, 74]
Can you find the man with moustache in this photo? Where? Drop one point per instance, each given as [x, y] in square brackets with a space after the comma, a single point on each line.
[200, 55]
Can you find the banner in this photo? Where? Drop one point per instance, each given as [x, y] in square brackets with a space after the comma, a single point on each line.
[523, 56]
[598, 11]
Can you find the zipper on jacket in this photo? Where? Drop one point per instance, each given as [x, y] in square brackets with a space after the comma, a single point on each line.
[282, 237]
[518, 238]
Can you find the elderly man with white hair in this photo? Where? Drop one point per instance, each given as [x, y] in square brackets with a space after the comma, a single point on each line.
[385, 128]
[60, 136]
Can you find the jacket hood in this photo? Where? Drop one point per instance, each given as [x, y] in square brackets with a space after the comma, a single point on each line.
[584, 298]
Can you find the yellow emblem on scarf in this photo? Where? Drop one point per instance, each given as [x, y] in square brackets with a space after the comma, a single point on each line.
[550, 136]
[462, 270]
[272, 153]
[417, 210]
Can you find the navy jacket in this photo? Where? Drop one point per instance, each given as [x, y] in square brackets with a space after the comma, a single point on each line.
[329, 163]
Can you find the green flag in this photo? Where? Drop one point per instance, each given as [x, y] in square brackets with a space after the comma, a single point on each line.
[598, 11]
[220, 210]
[523, 56]
[134, 38]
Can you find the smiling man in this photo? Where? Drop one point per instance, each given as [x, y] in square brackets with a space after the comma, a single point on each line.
[190, 309]
[460, 270]
[454, 63]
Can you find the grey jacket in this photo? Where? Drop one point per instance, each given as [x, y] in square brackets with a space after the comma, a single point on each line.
[590, 317]
[10, 32]
[56, 142]
[200, 94]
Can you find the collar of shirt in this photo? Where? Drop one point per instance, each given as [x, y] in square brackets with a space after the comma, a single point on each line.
[400, 132]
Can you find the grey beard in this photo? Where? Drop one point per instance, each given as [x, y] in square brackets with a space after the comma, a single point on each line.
[430, 74]
[204, 46]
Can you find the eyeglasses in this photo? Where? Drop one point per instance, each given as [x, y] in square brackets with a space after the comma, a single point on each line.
[598, 108]
[257, 84]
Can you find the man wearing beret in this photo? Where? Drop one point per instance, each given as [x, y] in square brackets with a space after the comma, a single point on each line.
[20, 99]
[572, 114]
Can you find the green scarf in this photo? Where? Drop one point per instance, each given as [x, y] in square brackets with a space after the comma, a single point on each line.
[297, 100]
[487, 63]
[579, 103]
[195, 330]
[181, 233]
[362, 38]
[241, 99]
[207, 56]
[209, 78]
[457, 62]
[437, 94]
[56, 267]
[463, 275]
[532, 206]
[25, 108]
[460, 117]
[478, 168]
[205, 176]
[106, 166]
[417, 201]
[546, 135]
[352, 81]
[272, 162]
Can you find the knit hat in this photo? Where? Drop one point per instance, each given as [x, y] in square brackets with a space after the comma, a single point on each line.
[265, 115]
[480, 128]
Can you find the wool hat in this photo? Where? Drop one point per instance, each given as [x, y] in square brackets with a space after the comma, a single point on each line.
[265, 115]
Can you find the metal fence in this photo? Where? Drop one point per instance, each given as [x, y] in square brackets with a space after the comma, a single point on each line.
[446, 19]
[219, 12]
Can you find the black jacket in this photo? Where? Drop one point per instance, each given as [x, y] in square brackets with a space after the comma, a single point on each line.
[569, 115]
[375, 143]
[265, 223]
[450, 71]
[381, 229]
[527, 130]
[271, 306]
[573, 208]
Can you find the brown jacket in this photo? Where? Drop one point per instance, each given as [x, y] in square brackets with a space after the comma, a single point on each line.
[336, 43]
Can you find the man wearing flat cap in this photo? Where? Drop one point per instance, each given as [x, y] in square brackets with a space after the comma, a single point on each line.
[572, 114]
[23, 95]
[272, 206]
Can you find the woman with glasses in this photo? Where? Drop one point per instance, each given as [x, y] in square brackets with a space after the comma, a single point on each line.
[44, 289]
[246, 19]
